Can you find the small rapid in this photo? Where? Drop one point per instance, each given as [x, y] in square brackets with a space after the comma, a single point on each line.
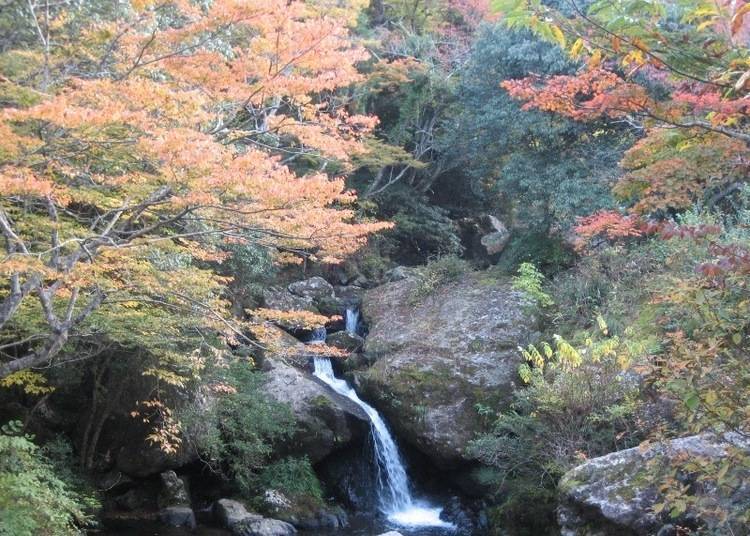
[352, 320]
[394, 495]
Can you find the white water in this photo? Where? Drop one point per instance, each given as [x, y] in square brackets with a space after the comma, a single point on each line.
[352, 320]
[318, 336]
[394, 496]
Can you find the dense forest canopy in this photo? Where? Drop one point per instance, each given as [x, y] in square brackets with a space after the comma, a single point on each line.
[170, 170]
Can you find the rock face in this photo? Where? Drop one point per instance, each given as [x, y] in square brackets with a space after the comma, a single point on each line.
[326, 420]
[138, 458]
[615, 494]
[434, 361]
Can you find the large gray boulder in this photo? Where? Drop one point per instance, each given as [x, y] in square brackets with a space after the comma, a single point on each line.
[434, 361]
[284, 300]
[615, 494]
[315, 287]
[234, 516]
[326, 421]
[252, 526]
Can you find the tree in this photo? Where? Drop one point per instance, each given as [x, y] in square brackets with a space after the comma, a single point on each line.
[175, 137]
[674, 72]
[541, 167]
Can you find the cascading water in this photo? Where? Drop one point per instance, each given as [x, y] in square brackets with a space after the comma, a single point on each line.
[394, 496]
[352, 320]
[318, 336]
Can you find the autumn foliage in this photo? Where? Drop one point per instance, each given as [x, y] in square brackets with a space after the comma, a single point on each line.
[194, 128]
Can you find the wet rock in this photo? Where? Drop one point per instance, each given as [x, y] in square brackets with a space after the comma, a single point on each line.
[178, 516]
[304, 514]
[315, 287]
[349, 295]
[234, 516]
[467, 517]
[615, 494]
[229, 512]
[436, 359]
[350, 476]
[330, 306]
[342, 298]
[326, 421]
[345, 340]
[252, 526]
[174, 490]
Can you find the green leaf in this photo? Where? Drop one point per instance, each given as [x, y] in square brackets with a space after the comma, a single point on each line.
[692, 401]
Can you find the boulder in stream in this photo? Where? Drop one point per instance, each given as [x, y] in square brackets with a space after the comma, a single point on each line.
[345, 340]
[436, 359]
[303, 514]
[234, 516]
[326, 421]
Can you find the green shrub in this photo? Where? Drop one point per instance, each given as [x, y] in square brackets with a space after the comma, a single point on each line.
[237, 435]
[548, 251]
[422, 230]
[35, 498]
[437, 273]
[576, 404]
[294, 477]
[531, 282]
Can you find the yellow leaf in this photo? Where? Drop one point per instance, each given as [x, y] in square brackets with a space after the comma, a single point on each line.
[575, 50]
[596, 59]
[558, 35]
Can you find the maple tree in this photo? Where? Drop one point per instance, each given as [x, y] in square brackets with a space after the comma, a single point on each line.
[683, 85]
[193, 129]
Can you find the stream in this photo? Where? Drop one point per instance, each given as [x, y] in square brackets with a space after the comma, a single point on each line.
[397, 506]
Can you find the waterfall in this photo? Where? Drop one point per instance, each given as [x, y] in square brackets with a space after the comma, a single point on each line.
[394, 496]
[352, 319]
[318, 336]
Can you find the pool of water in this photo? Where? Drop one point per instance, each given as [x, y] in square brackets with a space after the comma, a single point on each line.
[358, 526]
